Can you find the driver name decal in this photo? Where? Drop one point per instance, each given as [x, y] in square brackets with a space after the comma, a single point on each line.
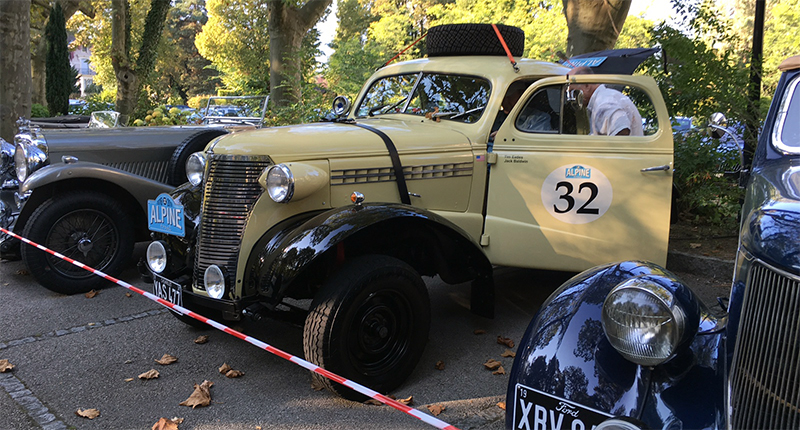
[576, 194]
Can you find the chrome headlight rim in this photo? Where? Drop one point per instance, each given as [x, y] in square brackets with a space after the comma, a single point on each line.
[214, 281]
[657, 342]
[196, 168]
[157, 256]
[280, 183]
[28, 158]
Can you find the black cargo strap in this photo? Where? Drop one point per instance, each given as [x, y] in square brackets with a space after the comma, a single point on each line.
[396, 165]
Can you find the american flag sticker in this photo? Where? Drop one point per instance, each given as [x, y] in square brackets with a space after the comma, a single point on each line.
[479, 157]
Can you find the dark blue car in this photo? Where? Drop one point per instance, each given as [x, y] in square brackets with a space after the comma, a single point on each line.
[629, 346]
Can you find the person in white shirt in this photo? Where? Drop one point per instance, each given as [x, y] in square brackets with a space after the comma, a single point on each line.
[611, 112]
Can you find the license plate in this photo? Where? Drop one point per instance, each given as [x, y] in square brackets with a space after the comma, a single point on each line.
[165, 289]
[164, 215]
[534, 409]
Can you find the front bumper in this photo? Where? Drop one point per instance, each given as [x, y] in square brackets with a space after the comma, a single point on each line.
[231, 310]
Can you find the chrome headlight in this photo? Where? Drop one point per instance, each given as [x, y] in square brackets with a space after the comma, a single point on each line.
[280, 183]
[196, 168]
[214, 281]
[643, 321]
[27, 159]
[156, 256]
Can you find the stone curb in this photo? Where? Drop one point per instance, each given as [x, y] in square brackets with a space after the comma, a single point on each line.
[698, 264]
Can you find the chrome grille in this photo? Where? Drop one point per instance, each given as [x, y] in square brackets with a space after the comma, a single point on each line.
[155, 170]
[231, 190]
[765, 375]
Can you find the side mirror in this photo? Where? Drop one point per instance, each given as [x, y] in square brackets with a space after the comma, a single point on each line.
[574, 97]
[341, 106]
[717, 124]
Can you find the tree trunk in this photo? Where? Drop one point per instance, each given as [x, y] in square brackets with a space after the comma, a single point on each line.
[15, 65]
[287, 27]
[594, 25]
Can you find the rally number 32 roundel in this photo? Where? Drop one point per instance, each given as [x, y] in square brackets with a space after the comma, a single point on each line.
[576, 194]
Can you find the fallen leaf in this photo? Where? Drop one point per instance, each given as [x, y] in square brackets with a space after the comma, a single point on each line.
[200, 397]
[128, 379]
[501, 405]
[436, 409]
[5, 366]
[316, 385]
[479, 331]
[201, 339]
[224, 368]
[407, 401]
[373, 402]
[91, 294]
[167, 359]
[492, 364]
[695, 245]
[166, 424]
[508, 353]
[234, 373]
[505, 341]
[128, 295]
[23, 272]
[150, 374]
[499, 371]
[439, 365]
[88, 413]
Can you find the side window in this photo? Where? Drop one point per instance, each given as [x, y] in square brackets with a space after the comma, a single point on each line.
[589, 109]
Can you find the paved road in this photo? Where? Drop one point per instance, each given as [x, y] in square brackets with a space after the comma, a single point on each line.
[72, 352]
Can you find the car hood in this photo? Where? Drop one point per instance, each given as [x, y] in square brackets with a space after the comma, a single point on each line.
[104, 145]
[331, 139]
[771, 223]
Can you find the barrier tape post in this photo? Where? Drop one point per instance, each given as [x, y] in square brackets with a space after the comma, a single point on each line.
[428, 419]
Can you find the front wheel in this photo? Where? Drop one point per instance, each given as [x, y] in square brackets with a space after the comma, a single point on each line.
[87, 226]
[369, 323]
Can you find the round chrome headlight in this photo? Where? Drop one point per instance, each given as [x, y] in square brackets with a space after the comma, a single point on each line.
[196, 168]
[156, 256]
[27, 158]
[643, 321]
[214, 281]
[280, 183]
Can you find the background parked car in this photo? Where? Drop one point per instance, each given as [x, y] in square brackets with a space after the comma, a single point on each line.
[628, 345]
[83, 192]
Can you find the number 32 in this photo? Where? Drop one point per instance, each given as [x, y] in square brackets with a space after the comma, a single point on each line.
[571, 201]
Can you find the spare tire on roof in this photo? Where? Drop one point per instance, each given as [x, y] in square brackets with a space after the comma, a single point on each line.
[473, 39]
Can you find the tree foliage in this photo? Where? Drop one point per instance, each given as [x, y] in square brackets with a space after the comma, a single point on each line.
[59, 83]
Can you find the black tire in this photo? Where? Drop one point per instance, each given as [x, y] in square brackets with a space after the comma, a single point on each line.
[473, 39]
[86, 226]
[369, 323]
[176, 171]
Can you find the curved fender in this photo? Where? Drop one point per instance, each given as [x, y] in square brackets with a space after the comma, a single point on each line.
[287, 250]
[140, 187]
[566, 355]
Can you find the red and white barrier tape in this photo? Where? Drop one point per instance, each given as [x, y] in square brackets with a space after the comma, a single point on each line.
[428, 419]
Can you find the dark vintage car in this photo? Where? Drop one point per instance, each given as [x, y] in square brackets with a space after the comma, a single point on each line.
[630, 346]
[83, 191]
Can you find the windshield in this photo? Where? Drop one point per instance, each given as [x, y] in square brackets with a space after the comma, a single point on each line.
[786, 136]
[434, 96]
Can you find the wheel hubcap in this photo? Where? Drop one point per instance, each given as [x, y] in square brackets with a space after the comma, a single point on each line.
[84, 245]
[381, 340]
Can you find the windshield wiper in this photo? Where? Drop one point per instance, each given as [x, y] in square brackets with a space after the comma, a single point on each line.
[389, 107]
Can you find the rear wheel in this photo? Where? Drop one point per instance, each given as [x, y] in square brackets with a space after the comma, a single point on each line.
[369, 323]
[87, 226]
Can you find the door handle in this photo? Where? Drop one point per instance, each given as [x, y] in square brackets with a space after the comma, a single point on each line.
[664, 168]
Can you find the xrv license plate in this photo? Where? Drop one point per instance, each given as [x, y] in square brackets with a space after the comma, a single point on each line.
[534, 409]
[167, 290]
[164, 215]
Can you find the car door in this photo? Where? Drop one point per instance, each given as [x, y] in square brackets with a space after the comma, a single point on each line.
[562, 198]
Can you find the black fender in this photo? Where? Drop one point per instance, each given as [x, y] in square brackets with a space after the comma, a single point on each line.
[293, 258]
[566, 355]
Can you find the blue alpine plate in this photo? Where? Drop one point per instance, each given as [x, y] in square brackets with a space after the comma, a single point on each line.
[534, 409]
[588, 62]
[164, 215]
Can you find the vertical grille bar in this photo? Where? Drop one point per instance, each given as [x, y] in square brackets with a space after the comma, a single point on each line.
[231, 190]
[765, 375]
